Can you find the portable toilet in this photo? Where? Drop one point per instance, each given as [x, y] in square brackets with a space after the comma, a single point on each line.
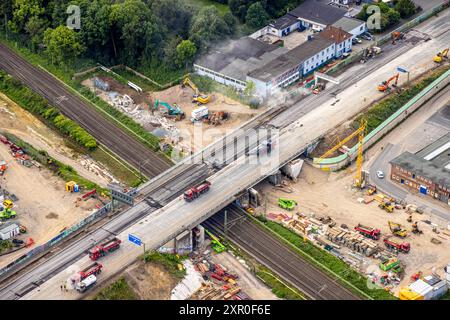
[76, 188]
[70, 186]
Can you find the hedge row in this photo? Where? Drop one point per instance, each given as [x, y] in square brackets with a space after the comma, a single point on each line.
[384, 109]
[37, 105]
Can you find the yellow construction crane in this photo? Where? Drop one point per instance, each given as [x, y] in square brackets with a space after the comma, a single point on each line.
[197, 97]
[441, 55]
[360, 132]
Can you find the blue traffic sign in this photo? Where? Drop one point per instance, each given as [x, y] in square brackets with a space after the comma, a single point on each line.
[400, 69]
[134, 239]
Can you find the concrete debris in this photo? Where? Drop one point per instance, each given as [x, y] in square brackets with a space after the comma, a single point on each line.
[190, 284]
[97, 169]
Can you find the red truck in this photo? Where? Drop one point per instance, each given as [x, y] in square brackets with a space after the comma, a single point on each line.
[94, 269]
[368, 232]
[196, 191]
[104, 248]
[396, 246]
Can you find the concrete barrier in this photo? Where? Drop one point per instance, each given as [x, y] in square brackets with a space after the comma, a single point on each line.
[336, 163]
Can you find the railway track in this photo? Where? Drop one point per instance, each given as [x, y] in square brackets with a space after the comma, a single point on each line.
[276, 255]
[104, 130]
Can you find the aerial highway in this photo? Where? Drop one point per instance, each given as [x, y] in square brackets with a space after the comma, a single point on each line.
[163, 224]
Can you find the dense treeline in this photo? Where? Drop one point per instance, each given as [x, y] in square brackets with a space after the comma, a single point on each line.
[389, 15]
[132, 32]
[37, 105]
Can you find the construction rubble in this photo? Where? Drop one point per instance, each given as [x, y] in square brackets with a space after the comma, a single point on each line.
[218, 282]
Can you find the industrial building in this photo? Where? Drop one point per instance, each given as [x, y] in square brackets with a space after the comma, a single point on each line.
[292, 65]
[230, 63]
[272, 67]
[353, 26]
[426, 172]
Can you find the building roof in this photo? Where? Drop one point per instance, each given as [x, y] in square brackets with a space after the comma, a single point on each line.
[283, 22]
[334, 34]
[432, 162]
[348, 24]
[8, 227]
[236, 58]
[290, 59]
[318, 12]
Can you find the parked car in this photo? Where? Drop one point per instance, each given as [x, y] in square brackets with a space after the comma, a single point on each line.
[356, 40]
[367, 36]
[380, 174]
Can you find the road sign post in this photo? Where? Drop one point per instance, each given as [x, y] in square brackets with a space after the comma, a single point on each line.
[403, 70]
[136, 241]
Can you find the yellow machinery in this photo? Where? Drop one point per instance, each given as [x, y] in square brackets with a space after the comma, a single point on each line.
[197, 97]
[387, 206]
[441, 56]
[360, 132]
[8, 204]
[397, 229]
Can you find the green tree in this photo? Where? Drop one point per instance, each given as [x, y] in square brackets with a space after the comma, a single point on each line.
[406, 8]
[207, 26]
[256, 16]
[250, 88]
[186, 51]
[23, 11]
[136, 30]
[62, 45]
[35, 27]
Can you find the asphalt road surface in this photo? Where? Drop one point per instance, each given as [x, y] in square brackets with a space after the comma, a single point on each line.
[273, 253]
[124, 144]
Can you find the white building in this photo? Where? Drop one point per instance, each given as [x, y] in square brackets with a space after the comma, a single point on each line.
[9, 230]
[317, 15]
[353, 26]
[292, 65]
[341, 38]
[230, 63]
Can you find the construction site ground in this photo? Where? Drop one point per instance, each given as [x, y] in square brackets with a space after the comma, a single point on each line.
[151, 281]
[181, 133]
[43, 206]
[21, 123]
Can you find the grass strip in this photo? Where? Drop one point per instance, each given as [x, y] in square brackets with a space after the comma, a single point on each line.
[119, 290]
[169, 261]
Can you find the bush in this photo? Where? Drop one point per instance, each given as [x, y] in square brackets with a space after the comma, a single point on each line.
[119, 290]
[169, 261]
[37, 105]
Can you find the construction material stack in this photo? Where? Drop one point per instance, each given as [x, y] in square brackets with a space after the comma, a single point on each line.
[352, 240]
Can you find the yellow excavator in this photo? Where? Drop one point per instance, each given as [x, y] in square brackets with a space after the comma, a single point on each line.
[441, 56]
[197, 97]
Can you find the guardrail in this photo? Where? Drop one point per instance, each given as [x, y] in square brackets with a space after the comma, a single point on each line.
[336, 163]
